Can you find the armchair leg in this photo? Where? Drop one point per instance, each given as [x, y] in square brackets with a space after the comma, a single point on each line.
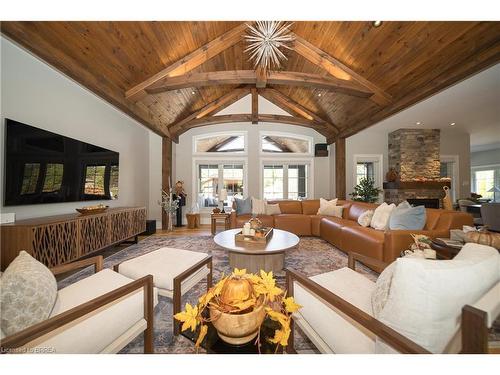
[149, 314]
[177, 305]
[209, 276]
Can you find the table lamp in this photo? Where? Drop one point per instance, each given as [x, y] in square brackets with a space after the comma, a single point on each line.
[494, 190]
[223, 197]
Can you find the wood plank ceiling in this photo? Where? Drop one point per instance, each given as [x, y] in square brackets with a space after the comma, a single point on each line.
[395, 65]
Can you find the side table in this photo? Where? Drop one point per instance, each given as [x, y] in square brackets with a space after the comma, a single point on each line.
[219, 216]
[443, 251]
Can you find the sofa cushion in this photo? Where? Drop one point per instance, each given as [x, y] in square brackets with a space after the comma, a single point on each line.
[290, 207]
[432, 218]
[331, 229]
[365, 241]
[382, 288]
[273, 209]
[365, 218]
[381, 216]
[357, 208]
[295, 223]
[243, 206]
[310, 206]
[316, 224]
[340, 333]
[426, 297]
[28, 291]
[267, 220]
[329, 208]
[258, 206]
[406, 217]
[159, 264]
[100, 328]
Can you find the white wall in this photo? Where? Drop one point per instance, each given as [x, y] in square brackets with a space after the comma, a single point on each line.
[36, 94]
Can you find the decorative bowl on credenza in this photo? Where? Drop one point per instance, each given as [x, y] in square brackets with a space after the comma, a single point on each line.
[89, 210]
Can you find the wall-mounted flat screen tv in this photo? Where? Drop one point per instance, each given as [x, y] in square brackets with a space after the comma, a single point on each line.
[44, 167]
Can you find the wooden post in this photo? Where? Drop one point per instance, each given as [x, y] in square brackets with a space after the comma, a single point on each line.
[340, 181]
[255, 106]
[166, 174]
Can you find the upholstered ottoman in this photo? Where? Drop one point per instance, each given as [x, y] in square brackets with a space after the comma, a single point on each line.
[174, 271]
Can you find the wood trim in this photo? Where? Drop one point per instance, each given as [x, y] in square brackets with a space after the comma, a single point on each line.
[294, 108]
[387, 334]
[255, 106]
[166, 174]
[178, 284]
[340, 168]
[211, 108]
[370, 262]
[29, 334]
[261, 77]
[474, 331]
[338, 69]
[223, 119]
[189, 62]
[239, 77]
[97, 261]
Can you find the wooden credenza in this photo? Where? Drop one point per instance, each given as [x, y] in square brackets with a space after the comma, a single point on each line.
[60, 239]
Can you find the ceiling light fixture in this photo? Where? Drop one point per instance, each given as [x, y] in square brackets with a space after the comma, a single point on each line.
[319, 94]
[376, 23]
[193, 92]
[418, 123]
[452, 124]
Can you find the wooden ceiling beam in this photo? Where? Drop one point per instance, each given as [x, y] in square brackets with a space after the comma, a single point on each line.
[238, 77]
[211, 108]
[261, 77]
[338, 69]
[191, 61]
[255, 106]
[294, 108]
[224, 119]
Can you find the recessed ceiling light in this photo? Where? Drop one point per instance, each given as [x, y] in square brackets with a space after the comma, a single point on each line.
[319, 94]
[418, 123]
[452, 124]
[376, 23]
[193, 92]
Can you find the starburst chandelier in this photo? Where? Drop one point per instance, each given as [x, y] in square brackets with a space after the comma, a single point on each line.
[265, 40]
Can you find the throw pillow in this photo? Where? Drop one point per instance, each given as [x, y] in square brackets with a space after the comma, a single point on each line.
[365, 218]
[327, 207]
[381, 215]
[426, 297]
[243, 206]
[410, 218]
[28, 292]
[382, 289]
[258, 206]
[273, 209]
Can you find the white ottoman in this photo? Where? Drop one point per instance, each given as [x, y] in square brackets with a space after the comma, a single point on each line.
[174, 271]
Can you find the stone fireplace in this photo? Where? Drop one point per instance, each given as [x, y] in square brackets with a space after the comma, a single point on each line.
[414, 155]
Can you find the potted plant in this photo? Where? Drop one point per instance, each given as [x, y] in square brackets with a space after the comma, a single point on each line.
[237, 306]
[365, 191]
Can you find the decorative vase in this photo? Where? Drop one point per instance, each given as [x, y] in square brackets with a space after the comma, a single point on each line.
[447, 205]
[170, 221]
[238, 329]
[391, 175]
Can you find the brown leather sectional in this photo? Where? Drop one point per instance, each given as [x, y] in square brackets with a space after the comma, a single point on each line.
[300, 217]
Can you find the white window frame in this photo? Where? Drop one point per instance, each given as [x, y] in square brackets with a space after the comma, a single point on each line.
[242, 133]
[456, 177]
[288, 161]
[217, 160]
[481, 168]
[301, 137]
[378, 172]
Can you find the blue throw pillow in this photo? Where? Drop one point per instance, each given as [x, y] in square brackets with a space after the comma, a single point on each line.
[408, 218]
[243, 206]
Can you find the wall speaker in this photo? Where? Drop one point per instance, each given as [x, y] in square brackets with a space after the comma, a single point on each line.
[321, 149]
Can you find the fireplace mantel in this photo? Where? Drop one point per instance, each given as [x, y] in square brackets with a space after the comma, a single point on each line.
[414, 185]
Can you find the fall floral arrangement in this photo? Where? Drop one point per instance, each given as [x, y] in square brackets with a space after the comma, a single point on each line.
[239, 294]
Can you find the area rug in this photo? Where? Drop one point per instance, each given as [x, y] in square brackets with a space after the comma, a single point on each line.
[311, 257]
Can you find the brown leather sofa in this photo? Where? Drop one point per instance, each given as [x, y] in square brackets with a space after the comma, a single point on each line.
[300, 217]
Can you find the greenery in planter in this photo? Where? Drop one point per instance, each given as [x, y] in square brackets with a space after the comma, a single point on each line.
[365, 191]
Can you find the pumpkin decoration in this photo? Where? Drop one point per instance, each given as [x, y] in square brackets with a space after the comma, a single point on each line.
[216, 210]
[391, 175]
[236, 290]
[484, 238]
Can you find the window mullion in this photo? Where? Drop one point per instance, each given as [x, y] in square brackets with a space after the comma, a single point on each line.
[285, 181]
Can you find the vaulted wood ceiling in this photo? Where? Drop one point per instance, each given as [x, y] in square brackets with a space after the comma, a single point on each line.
[394, 66]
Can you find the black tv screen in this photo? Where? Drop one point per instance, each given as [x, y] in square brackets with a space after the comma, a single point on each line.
[44, 167]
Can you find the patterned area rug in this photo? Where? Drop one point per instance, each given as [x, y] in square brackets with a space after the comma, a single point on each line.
[312, 256]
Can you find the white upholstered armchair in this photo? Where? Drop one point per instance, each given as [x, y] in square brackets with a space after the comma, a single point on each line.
[430, 306]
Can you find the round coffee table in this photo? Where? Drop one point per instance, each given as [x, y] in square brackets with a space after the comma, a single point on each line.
[256, 257]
